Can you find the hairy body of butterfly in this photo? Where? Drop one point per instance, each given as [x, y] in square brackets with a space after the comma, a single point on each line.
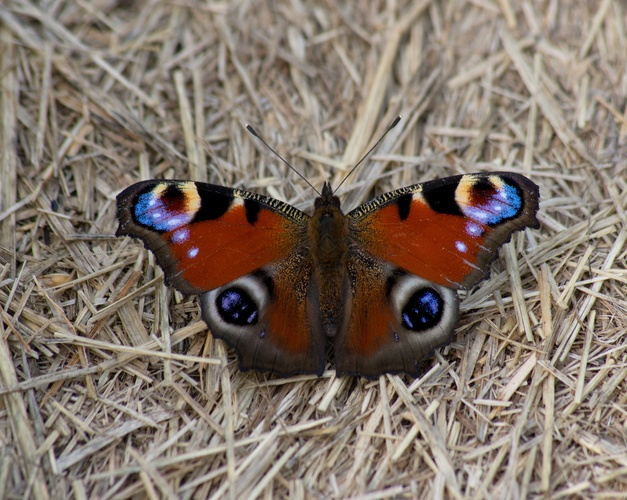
[379, 283]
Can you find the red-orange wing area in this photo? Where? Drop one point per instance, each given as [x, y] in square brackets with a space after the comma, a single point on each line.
[287, 316]
[371, 318]
[435, 246]
[218, 251]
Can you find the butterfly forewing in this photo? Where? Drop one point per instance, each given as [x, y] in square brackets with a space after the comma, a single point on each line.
[205, 236]
[447, 231]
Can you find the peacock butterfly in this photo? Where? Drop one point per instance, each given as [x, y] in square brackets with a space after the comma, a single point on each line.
[379, 282]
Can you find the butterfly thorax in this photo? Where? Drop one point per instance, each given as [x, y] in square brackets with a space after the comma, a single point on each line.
[328, 239]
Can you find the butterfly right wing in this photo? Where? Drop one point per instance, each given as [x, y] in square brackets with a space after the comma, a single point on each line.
[246, 254]
[411, 249]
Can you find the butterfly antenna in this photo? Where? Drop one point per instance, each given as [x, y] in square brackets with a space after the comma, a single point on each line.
[254, 132]
[392, 125]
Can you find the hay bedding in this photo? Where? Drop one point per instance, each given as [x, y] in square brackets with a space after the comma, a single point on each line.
[109, 385]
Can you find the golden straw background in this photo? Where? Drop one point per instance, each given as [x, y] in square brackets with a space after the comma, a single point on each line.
[110, 386]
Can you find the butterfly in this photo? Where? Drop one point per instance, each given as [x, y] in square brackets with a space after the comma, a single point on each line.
[379, 283]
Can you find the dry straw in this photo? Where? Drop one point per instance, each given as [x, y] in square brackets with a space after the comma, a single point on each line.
[109, 384]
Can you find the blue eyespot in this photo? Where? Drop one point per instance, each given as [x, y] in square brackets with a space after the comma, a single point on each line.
[237, 307]
[423, 310]
[151, 211]
[497, 205]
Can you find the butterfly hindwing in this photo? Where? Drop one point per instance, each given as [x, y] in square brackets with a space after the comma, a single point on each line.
[241, 251]
[267, 318]
[396, 319]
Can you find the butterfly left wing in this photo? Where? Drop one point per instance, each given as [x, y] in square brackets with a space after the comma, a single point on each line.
[412, 248]
[269, 318]
[243, 252]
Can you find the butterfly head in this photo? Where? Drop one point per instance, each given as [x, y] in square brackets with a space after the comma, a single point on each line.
[327, 199]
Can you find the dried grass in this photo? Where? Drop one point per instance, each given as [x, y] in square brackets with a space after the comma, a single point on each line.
[109, 384]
